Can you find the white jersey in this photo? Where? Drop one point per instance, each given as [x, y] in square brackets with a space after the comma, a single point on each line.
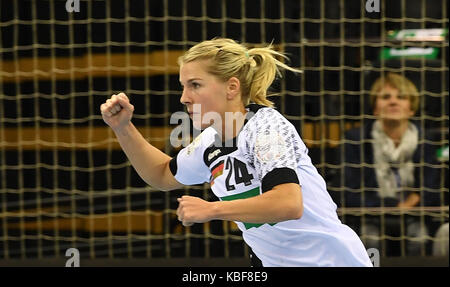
[267, 152]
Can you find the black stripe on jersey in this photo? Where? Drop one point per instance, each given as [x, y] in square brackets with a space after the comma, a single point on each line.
[173, 165]
[254, 107]
[278, 176]
[213, 152]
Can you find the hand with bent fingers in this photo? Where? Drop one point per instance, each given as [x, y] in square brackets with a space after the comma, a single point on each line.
[193, 209]
[117, 111]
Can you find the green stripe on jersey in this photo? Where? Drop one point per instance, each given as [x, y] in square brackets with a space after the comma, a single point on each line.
[243, 195]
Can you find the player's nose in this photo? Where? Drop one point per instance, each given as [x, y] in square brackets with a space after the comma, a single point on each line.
[185, 98]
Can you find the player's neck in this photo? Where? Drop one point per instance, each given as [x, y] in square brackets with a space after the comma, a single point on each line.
[232, 124]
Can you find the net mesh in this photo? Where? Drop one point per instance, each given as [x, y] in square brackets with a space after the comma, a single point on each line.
[66, 183]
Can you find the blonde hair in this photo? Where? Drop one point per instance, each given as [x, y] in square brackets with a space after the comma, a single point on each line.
[255, 68]
[399, 82]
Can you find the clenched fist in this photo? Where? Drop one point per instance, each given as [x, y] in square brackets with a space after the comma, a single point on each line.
[194, 210]
[117, 111]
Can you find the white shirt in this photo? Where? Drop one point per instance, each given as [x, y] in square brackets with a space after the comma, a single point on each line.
[268, 151]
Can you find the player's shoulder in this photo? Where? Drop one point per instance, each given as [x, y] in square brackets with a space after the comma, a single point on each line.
[263, 116]
[267, 127]
[208, 134]
[262, 112]
[202, 141]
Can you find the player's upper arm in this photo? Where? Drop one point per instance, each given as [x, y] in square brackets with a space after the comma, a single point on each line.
[171, 182]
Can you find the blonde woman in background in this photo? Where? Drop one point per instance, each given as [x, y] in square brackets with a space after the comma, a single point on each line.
[387, 166]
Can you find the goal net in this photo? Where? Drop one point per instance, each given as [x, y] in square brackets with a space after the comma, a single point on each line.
[64, 181]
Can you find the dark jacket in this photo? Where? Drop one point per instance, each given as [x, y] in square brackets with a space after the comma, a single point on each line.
[363, 177]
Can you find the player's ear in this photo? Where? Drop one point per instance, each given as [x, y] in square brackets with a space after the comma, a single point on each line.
[233, 88]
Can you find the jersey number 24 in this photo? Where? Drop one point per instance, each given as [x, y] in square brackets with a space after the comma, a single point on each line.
[241, 174]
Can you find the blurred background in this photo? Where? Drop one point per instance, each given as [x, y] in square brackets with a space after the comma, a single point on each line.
[64, 181]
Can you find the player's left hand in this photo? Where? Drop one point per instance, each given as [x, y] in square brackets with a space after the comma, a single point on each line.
[193, 209]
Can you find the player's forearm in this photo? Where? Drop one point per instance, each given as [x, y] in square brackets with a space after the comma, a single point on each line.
[282, 203]
[150, 163]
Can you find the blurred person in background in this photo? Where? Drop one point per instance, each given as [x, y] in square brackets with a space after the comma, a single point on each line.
[385, 167]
